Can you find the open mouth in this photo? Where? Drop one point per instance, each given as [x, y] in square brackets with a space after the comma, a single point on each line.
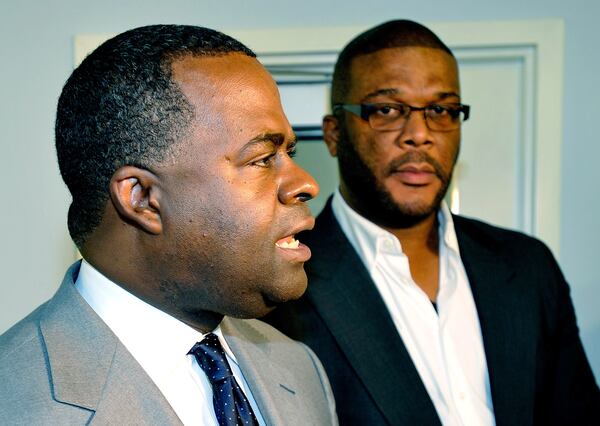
[293, 250]
[288, 242]
[290, 248]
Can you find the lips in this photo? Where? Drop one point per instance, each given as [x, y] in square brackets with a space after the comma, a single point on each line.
[419, 174]
[288, 242]
[292, 249]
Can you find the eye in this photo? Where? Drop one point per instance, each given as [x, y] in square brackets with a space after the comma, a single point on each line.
[437, 110]
[445, 111]
[266, 161]
[387, 110]
[292, 151]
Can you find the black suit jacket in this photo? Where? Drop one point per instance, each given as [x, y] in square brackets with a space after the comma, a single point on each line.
[538, 370]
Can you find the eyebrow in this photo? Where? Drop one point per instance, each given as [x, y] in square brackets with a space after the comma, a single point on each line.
[276, 139]
[381, 92]
[392, 91]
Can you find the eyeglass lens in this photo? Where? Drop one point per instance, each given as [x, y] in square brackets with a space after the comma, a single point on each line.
[394, 117]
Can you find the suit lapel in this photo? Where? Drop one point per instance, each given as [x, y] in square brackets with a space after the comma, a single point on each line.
[509, 318]
[131, 397]
[79, 356]
[273, 386]
[349, 303]
[91, 369]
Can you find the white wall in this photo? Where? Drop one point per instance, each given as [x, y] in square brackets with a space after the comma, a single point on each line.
[36, 58]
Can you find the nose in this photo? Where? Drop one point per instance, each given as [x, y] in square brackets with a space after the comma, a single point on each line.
[415, 132]
[297, 185]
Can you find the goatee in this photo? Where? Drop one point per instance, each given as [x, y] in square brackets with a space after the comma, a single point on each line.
[376, 203]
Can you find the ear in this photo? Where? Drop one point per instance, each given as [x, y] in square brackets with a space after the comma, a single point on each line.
[136, 195]
[331, 133]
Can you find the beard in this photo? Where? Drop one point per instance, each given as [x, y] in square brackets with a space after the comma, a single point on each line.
[372, 200]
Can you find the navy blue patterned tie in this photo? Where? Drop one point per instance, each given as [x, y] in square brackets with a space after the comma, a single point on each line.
[231, 406]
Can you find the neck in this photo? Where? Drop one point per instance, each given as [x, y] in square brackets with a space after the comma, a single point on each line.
[204, 323]
[130, 274]
[422, 236]
[131, 259]
[420, 243]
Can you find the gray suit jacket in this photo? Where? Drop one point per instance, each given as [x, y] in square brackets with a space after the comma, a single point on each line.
[63, 365]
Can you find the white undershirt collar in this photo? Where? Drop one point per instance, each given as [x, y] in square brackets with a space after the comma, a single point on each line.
[368, 239]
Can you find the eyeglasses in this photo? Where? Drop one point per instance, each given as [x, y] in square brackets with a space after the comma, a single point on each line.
[393, 116]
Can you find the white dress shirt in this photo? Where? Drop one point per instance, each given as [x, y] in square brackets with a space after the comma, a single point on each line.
[160, 344]
[446, 346]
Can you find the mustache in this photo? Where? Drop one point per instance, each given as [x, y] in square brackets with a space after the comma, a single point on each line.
[416, 157]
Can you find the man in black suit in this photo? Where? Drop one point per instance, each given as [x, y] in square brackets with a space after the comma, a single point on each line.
[419, 316]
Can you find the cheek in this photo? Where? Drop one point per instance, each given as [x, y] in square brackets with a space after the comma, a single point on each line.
[240, 218]
[377, 154]
[234, 215]
[449, 154]
[368, 147]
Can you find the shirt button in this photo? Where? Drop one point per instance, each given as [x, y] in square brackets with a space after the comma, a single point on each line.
[388, 244]
[461, 396]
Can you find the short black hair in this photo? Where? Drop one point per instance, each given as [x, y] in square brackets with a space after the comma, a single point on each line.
[120, 107]
[397, 33]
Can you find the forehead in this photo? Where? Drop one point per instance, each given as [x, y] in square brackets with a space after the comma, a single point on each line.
[410, 71]
[232, 92]
[221, 74]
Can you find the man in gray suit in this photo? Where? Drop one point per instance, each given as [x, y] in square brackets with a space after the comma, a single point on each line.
[175, 148]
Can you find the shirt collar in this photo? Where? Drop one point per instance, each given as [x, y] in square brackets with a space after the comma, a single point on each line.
[447, 231]
[365, 236]
[154, 338]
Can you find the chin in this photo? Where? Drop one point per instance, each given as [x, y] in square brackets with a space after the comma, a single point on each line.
[412, 204]
[417, 209]
[288, 290]
[255, 307]
[400, 214]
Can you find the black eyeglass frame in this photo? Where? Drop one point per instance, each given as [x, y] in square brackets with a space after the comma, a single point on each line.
[364, 111]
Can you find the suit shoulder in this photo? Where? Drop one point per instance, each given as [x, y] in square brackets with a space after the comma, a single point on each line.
[468, 224]
[25, 388]
[23, 333]
[528, 258]
[515, 242]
